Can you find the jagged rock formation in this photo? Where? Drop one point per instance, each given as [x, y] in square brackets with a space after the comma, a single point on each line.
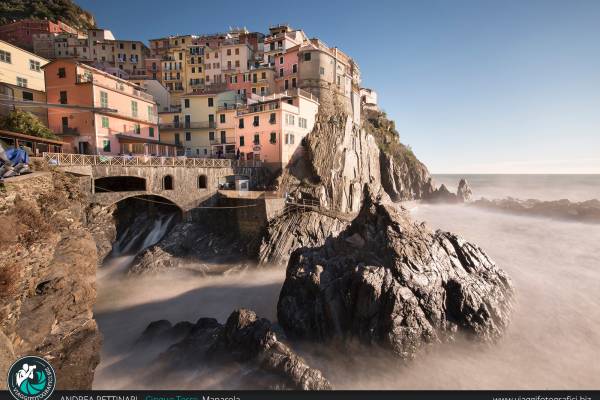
[392, 282]
[290, 232]
[245, 341]
[340, 158]
[585, 211]
[47, 274]
[464, 192]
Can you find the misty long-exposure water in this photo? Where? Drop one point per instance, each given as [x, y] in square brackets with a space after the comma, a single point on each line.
[552, 342]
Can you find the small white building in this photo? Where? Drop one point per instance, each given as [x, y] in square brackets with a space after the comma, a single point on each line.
[368, 98]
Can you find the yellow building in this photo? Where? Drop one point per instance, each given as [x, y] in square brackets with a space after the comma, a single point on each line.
[205, 125]
[21, 79]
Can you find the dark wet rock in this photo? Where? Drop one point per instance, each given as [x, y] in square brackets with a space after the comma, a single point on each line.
[195, 247]
[442, 195]
[464, 193]
[247, 342]
[585, 211]
[399, 286]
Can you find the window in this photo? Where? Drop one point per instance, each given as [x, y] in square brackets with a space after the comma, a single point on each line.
[256, 138]
[188, 136]
[286, 84]
[256, 121]
[273, 138]
[222, 118]
[241, 141]
[290, 119]
[321, 71]
[5, 56]
[65, 122]
[302, 122]
[280, 60]
[22, 82]
[34, 65]
[272, 118]
[177, 141]
[237, 63]
[293, 82]
[106, 145]
[151, 113]
[168, 182]
[280, 72]
[306, 56]
[294, 68]
[63, 97]
[133, 47]
[27, 96]
[134, 108]
[151, 132]
[120, 45]
[228, 52]
[211, 136]
[241, 123]
[193, 70]
[289, 138]
[237, 52]
[137, 129]
[202, 182]
[186, 103]
[223, 137]
[105, 122]
[211, 102]
[62, 73]
[104, 99]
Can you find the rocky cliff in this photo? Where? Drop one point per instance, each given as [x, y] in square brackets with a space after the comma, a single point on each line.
[389, 281]
[47, 277]
[403, 176]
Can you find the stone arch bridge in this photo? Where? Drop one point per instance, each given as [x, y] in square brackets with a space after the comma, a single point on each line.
[186, 182]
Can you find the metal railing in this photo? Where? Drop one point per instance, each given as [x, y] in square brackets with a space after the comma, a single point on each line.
[187, 125]
[137, 161]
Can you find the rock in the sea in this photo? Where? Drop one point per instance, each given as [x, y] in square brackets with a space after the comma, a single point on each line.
[246, 341]
[585, 211]
[464, 193]
[389, 281]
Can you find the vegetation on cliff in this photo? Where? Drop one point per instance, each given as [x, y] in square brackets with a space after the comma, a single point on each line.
[64, 10]
[387, 137]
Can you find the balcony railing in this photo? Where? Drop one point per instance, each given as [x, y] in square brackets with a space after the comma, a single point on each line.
[142, 161]
[187, 125]
[67, 130]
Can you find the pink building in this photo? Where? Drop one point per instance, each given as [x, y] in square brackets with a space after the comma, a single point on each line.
[97, 113]
[271, 128]
[286, 69]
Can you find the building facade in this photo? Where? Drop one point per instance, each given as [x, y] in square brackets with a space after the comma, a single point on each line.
[22, 81]
[21, 33]
[98, 113]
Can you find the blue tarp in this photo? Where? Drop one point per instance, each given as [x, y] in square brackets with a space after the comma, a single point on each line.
[16, 156]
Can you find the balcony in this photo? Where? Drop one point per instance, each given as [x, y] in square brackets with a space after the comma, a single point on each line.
[67, 130]
[117, 85]
[218, 142]
[187, 125]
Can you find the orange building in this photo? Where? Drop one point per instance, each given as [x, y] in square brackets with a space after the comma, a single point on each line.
[98, 113]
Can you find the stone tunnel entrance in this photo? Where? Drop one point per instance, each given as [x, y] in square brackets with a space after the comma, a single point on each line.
[142, 221]
[119, 184]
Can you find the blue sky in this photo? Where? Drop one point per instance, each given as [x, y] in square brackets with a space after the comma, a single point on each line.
[474, 86]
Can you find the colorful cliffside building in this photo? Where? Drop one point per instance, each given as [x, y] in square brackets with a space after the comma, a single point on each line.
[98, 113]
